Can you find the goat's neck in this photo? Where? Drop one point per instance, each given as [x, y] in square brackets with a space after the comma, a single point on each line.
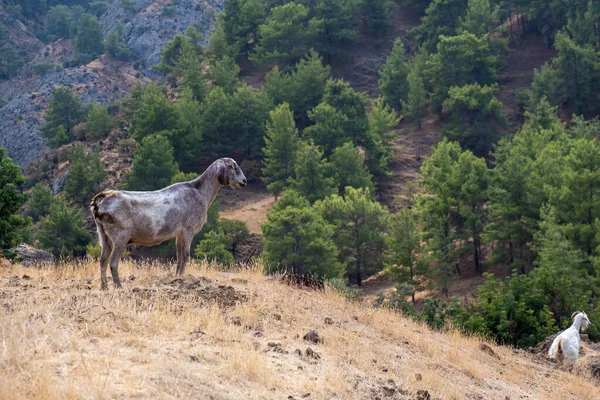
[208, 183]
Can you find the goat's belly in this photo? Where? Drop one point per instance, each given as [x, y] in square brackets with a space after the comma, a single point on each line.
[149, 241]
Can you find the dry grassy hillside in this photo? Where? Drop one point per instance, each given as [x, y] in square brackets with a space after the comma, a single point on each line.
[238, 336]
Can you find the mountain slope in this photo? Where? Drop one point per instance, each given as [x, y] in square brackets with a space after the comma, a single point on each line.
[234, 335]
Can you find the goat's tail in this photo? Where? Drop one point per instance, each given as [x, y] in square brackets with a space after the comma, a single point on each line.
[556, 348]
[95, 204]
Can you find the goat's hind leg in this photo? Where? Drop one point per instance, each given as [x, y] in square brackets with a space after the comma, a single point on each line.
[106, 246]
[118, 248]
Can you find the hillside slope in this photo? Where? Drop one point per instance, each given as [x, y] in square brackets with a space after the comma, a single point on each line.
[237, 335]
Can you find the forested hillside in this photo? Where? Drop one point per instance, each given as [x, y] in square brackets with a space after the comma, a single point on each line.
[431, 140]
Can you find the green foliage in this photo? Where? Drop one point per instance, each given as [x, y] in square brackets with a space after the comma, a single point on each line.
[393, 76]
[512, 313]
[340, 286]
[286, 35]
[377, 14]
[114, 48]
[38, 205]
[43, 67]
[281, 145]
[93, 251]
[382, 118]
[90, 38]
[353, 105]
[64, 112]
[10, 61]
[63, 233]
[403, 259]
[224, 73]
[460, 60]
[214, 248]
[60, 21]
[328, 130]
[302, 88]
[180, 48]
[235, 231]
[153, 165]
[310, 175]
[240, 23]
[479, 18]
[99, 121]
[85, 174]
[474, 113]
[441, 19]
[347, 169]
[155, 113]
[234, 122]
[360, 225]
[297, 239]
[416, 99]
[11, 199]
[337, 19]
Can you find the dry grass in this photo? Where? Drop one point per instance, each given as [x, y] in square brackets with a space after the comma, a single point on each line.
[162, 337]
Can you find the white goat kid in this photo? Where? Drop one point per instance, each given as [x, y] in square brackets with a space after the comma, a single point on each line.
[149, 218]
[565, 347]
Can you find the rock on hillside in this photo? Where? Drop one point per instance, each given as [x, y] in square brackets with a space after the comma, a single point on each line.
[152, 23]
[22, 116]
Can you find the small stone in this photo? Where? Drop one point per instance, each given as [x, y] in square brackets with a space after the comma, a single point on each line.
[418, 377]
[423, 395]
[131, 278]
[26, 277]
[328, 321]
[277, 317]
[313, 337]
[384, 369]
[305, 395]
[488, 350]
[194, 358]
[273, 344]
[310, 353]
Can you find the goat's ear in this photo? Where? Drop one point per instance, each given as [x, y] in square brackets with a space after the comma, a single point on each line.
[222, 174]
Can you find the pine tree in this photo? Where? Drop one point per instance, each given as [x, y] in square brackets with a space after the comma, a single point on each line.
[85, 174]
[360, 224]
[287, 35]
[347, 169]
[382, 118]
[310, 179]
[392, 78]
[99, 121]
[298, 240]
[214, 248]
[282, 143]
[155, 114]
[377, 13]
[11, 199]
[416, 100]
[65, 110]
[328, 130]
[478, 19]
[403, 259]
[90, 38]
[38, 205]
[63, 233]
[153, 165]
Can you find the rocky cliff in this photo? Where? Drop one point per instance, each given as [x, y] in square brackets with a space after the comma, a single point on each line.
[147, 26]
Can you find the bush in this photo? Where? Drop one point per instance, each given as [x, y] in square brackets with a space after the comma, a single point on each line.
[43, 67]
[340, 286]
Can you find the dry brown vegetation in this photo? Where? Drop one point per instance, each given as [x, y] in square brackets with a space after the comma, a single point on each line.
[238, 335]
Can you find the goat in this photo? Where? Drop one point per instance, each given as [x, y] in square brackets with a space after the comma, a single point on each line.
[565, 347]
[150, 218]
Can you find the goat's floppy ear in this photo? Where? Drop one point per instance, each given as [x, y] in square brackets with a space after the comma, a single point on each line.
[222, 174]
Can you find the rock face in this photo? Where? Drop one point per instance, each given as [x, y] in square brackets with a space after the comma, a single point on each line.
[147, 26]
[32, 257]
[150, 24]
[23, 115]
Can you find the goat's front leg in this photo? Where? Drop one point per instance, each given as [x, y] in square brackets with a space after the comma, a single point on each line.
[183, 243]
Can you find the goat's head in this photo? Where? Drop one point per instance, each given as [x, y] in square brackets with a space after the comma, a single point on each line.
[230, 174]
[581, 319]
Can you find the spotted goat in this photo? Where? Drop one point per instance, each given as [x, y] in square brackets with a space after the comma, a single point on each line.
[150, 218]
